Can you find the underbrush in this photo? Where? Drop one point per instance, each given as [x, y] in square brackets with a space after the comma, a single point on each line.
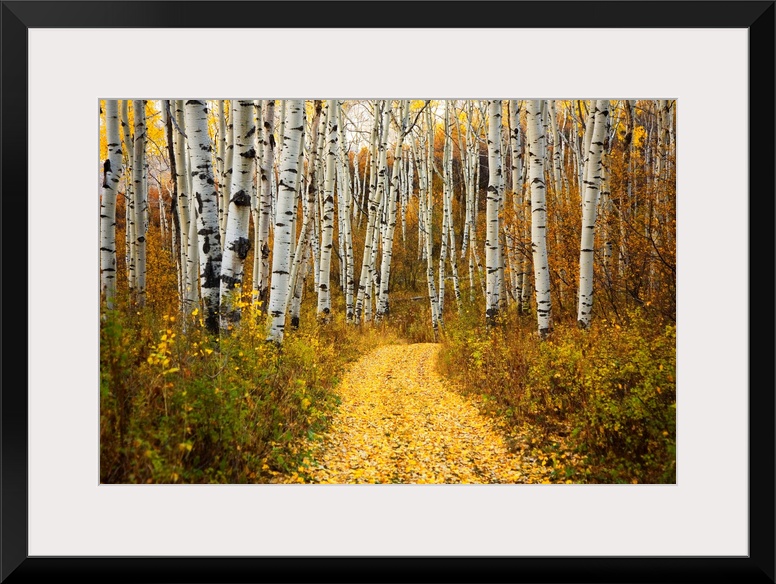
[607, 394]
[178, 405]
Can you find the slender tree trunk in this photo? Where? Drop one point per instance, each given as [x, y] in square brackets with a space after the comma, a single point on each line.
[538, 215]
[168, 113]
[286, 212]
[345, 196]
[129, 199]
[449, 195]
[237, 244]
[141, 200]
[261, 275]
[589, 211]
[495, 185]
[304, 243]
[385, 268]
[224, 193]
[424, 219]
[372, 227]
[204, 190]
[327, 223]
[112, 170]
[517, 199]
[188, 213]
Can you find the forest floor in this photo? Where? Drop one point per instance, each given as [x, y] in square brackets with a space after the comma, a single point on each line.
[400, 421]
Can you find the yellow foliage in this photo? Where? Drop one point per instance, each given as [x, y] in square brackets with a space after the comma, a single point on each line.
[400, 422]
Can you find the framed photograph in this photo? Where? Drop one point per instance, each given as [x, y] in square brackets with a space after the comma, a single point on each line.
[714, 524]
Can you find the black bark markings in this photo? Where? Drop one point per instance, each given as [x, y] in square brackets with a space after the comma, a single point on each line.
[241, 246]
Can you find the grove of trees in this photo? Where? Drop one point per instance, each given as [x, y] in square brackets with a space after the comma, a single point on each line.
[453, 221]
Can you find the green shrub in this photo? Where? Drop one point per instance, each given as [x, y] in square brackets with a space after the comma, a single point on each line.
[608, 392]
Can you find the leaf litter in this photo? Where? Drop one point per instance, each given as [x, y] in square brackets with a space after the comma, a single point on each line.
[400, 421]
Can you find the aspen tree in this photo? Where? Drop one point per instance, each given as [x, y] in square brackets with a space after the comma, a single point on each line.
[345, 196]
[428, 163]
[449, 230]
[445, 217]
[261, 275]
[406, 193]
[129, 198]
[557, 182]
[535, 135]
[204, 191]
[140, 193]
[112, 170]
[225, 188]
[385, 267]
[181, 203]
[424, 223]
[258, 122]
[516, 139]
[285, 213]
[220, 170]
[372, 228]
[188, 213]
[589, 211]
[473, 157]
[495, 186]
[304, 244]
[327, 216]
[237, 244]
[168, 112]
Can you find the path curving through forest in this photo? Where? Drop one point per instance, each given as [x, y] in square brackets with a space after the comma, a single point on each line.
[399, 421]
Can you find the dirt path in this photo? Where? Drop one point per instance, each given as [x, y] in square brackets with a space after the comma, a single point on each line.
[400, 423]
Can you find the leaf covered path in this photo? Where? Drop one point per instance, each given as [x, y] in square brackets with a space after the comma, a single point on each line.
[399, 421]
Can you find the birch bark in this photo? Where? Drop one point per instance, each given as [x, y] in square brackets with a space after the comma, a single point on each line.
[285, 214]
[237, 244]
[589, 212]
[538, 214]
[495, 182]
[112, 171]
[206, 196]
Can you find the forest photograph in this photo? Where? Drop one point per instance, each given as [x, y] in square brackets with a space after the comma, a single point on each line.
[387, 291]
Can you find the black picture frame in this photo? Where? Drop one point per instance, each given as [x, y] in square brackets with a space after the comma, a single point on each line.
[16, 566]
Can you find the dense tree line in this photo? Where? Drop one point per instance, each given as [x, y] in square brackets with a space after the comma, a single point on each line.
[555, 209]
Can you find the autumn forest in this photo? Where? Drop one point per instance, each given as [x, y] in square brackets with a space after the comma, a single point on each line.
[387, 291]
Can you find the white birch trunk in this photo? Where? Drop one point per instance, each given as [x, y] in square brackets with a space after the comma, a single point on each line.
[495, 182]
[111, 176]
[261, 277]
[206, 196]
[372, 228]
[221, 146]
[129, 212]
[589, 212]
[517, 198]
[181, 184]
[345, 196]
[286, 212]
[385, 268]
[424, 221]
[237, 244]
[300, 257]
[538, 215]
[224, 193]
[448, 203]
[327, 216]
[189, 249]
[140, 193]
